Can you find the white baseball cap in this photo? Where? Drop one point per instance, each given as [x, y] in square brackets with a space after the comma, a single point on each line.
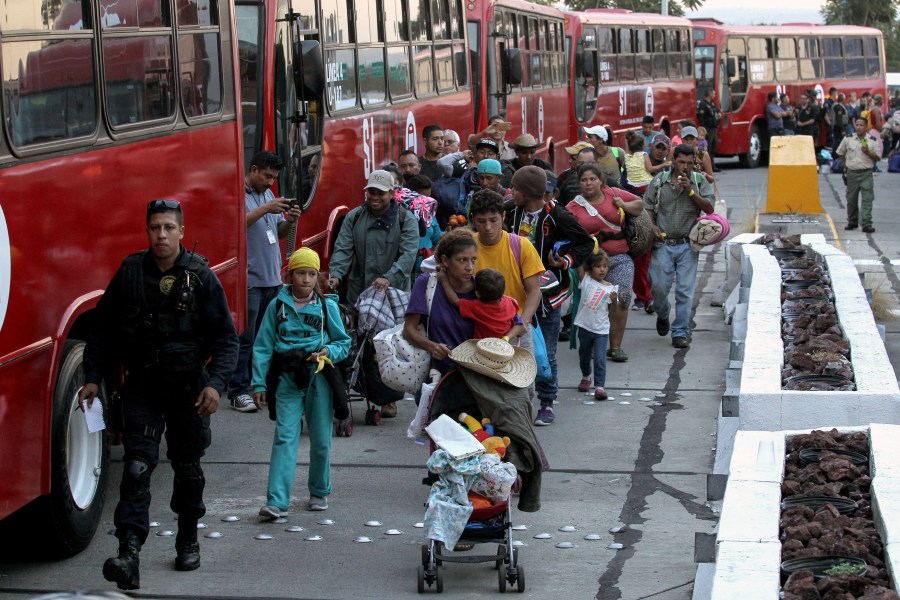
[380, 180]
[598, 130]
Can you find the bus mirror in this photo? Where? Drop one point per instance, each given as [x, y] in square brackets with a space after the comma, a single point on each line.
[309, 70]
[512, 67]
[732, 66]
[587, 64]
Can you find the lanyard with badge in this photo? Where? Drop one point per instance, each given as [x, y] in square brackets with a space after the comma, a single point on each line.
[270, 233]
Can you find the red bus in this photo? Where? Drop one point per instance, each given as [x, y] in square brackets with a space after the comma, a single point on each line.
[392, 67]
[744, 63]
[105, 106]
[627, 65]
[519, 72]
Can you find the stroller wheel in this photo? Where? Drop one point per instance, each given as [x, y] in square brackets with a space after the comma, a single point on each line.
[501, 550]
[501, 580]
[345, 427]
[438, 580]
[421, 581]
[520, 580]
[373, 416]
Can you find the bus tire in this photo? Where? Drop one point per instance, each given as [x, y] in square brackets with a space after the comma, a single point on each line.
[752, 158]
[79, 463]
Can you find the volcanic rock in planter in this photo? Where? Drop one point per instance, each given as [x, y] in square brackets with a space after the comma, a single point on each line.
[828, 343]
[801, 361]
[801, 585]
[838, 468]
[824, 321]
[877, 592]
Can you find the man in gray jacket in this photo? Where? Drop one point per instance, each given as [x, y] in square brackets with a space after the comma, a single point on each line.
[377, 247]
[383, 238]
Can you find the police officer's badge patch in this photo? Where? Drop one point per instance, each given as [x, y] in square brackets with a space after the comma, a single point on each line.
[166, 284]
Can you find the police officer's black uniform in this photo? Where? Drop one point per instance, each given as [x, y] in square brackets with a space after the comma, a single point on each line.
[162, 328]
[708, 115]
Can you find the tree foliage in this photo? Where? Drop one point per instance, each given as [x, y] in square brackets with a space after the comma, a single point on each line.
[676, 7]
[869, 13]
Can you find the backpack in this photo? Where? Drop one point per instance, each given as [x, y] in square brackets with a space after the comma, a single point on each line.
[450, 193]
[894, 163]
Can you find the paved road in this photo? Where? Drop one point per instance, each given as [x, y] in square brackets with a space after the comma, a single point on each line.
[641, 464]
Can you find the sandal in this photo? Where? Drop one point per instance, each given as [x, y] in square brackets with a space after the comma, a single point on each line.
[617, 355]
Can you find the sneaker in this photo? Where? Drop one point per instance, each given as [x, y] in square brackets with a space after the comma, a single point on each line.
[662, 325]
[850, 226]
[600, 394]
[680, 342]
[638, 305]
[272, 512]
[243, 403]
[584, 385]
[545, 416]
[389, 410]
[868, 229]
[318, 503]
[649, 308]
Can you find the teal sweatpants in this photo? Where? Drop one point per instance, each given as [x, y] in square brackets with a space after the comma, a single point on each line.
[292, 404]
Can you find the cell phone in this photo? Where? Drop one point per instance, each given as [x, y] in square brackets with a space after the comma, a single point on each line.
[292, 203]
[503, 126]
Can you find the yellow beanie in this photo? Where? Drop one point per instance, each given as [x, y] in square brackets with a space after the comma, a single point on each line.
[303, 257]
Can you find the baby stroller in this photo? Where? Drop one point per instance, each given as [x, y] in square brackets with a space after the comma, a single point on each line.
[487, 525]
[491, 525]
[360, 371]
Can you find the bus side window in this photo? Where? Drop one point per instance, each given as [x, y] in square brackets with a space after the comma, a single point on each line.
[873, 57]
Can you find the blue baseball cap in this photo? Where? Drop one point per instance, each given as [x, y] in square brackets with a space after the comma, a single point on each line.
[489, 166]
[551, 182]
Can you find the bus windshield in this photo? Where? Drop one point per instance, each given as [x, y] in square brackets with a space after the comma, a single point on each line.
[704, 66]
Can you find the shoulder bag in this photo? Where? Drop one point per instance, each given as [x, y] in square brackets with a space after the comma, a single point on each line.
[403, 366]
[638, 232]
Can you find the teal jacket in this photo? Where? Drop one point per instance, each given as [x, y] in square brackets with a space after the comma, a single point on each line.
[303, 330]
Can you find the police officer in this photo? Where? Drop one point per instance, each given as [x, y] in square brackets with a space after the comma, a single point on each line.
[165, 320]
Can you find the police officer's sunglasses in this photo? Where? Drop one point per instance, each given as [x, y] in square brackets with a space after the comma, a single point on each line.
[160, 205]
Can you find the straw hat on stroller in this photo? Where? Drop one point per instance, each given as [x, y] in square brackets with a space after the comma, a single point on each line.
[498, 360]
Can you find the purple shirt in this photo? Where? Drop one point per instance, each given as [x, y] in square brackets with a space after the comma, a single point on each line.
[444, 325]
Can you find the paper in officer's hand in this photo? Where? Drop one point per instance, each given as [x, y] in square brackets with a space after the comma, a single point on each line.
[93, 416]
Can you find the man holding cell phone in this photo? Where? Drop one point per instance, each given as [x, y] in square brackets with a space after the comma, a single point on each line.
[674, 200]
[268, 220]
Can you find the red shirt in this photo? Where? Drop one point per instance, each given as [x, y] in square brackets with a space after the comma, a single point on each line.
[492, 319]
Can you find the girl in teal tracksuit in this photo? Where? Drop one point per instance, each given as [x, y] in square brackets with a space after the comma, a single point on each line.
[300, 318]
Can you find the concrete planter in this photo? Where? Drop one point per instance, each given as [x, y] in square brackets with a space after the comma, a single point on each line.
[754, 399]
[747, 547]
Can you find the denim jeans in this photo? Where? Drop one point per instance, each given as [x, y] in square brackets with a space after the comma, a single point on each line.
[550, 324]
[593, 346]
[258, 299]
[677, 262]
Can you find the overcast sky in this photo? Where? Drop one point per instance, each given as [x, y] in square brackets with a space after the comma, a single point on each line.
[761, 11]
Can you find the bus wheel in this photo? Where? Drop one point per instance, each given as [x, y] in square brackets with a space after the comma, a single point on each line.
[751, 158]
[79, 462]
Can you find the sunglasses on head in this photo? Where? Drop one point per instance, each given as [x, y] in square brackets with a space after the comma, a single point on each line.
[163, 205]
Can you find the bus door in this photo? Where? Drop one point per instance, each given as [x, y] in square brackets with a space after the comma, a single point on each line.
[299, 84]
[504, 63]
[736, 71]
[585, 86]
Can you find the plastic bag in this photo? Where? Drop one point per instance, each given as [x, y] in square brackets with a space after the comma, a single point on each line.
[416, 429]
[495, 478]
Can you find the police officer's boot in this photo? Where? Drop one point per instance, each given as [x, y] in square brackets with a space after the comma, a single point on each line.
[124, 569]
[187, 548]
